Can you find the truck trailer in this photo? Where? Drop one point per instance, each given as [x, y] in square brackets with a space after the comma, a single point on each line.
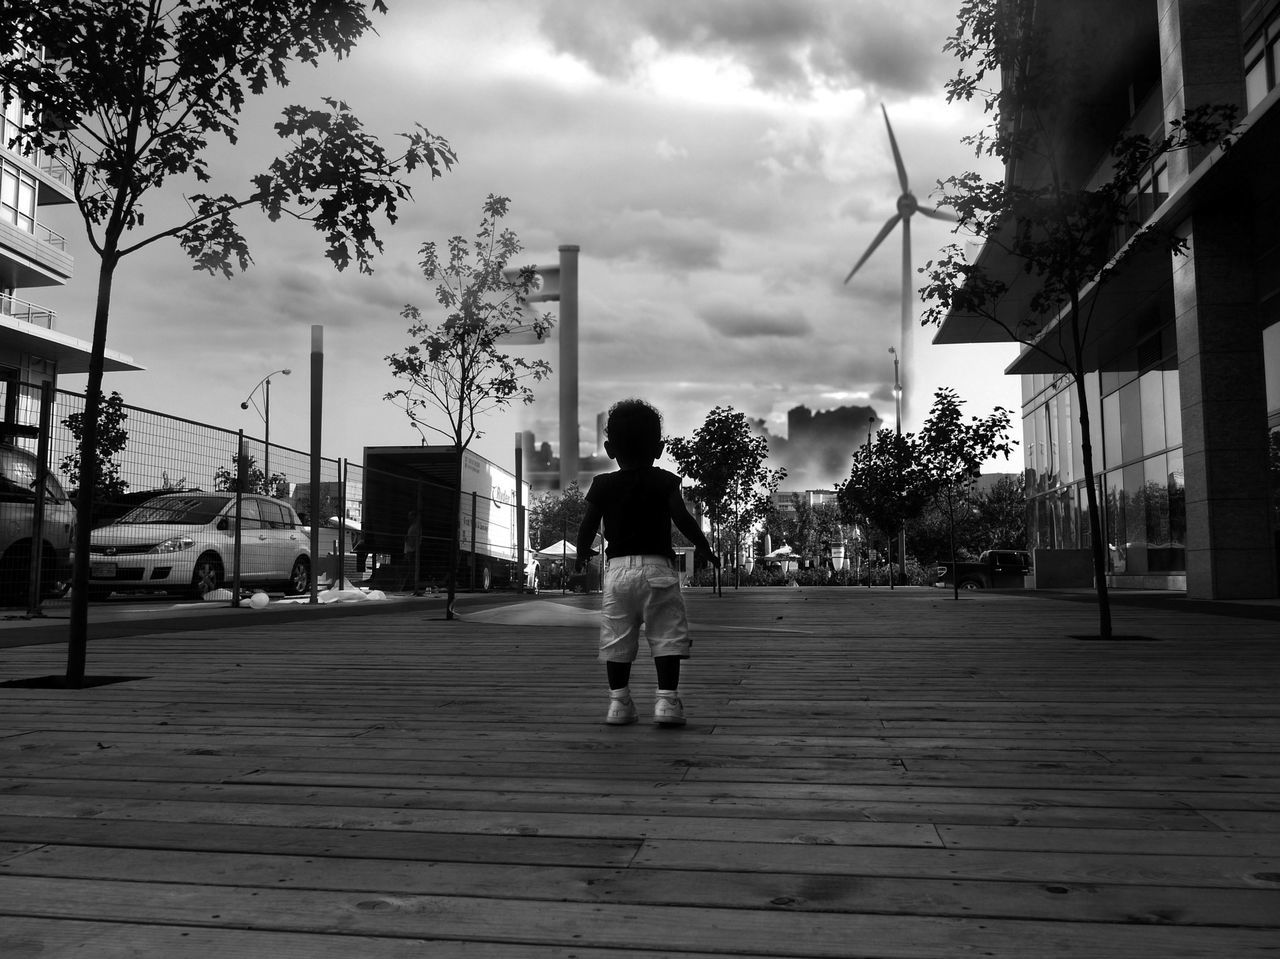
[400, 481]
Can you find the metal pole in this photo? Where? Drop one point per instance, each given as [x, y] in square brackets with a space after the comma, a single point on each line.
[266, 438]
[317, 395]
[35, 583]
[568, 334]
[519, 514]
[342, 525]
[242, 473]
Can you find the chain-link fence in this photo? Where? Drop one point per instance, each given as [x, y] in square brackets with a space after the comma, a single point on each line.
[165, 515]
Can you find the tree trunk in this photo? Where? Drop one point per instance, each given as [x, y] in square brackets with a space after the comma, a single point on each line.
[78, 631]
[1096, 541]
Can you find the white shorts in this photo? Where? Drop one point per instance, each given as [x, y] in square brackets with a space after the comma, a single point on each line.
[642, 589]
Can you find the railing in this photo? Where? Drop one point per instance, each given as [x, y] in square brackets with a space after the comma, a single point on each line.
[52, 238]
[56, 170]
[27, 312]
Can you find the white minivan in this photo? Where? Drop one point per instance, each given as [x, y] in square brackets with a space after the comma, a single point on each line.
[186, 542]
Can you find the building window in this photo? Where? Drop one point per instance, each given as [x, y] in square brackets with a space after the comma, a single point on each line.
[1260, 62]
[17, 198]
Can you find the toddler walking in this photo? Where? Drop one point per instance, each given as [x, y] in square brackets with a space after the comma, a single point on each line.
[637, 503]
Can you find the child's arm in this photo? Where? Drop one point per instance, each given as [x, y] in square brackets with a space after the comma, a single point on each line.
[689, 526]
[587, 536]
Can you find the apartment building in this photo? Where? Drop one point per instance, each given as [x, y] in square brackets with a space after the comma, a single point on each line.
[32, 257]
[1184, 360]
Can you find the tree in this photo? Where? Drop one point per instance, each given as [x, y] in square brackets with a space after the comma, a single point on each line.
[110, 440]
[725, 463]
[229, 479]
[556, 516]
[1001, 514]
[951, 453]
[1068, 232]
[886, 485]
[131, 96]
[457, 368]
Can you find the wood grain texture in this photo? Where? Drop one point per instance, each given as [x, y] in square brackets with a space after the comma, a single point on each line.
[864, 773]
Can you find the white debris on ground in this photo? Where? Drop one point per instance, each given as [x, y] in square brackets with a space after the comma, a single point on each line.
[260, 600]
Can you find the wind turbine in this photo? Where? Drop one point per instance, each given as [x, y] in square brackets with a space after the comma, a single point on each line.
[907, 207]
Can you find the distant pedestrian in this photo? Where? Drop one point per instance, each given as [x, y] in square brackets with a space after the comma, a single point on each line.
[638, 503]
[531, 575]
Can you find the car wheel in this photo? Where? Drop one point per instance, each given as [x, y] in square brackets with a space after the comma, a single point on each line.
[300, 577]
[206, 576]
[970, 585]
[486, 579]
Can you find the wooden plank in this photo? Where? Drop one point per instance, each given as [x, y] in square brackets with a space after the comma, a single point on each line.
[774, 932]
[878, 895]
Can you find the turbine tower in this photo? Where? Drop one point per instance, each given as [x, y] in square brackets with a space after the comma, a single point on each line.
[907, 207]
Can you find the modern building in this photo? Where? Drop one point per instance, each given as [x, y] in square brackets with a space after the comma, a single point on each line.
[32, 351]
[1183, 356]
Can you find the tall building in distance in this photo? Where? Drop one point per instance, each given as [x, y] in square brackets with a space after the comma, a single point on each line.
[1183, 356]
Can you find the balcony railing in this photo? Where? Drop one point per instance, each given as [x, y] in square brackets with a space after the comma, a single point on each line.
[27, 312]
[55, 240]
[56, 170]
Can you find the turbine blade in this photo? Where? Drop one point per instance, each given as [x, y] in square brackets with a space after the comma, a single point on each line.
[884, 231]
[897, 157]
[937, 214]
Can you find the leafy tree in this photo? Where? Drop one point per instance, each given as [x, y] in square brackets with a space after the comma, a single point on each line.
[228, 479]
[132, 96]
[1001, 514]
[1054, 219]
[887, 485]
[725, 463]
[951, 453]
[556, 516]
[110, 440]
[457, 367]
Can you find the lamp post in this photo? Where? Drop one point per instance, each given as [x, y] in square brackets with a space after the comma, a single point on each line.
[897, 394]
[897, 414]
[871, 420]
[265, 385]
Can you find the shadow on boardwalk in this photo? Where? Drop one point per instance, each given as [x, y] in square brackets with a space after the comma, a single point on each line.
[864, 773]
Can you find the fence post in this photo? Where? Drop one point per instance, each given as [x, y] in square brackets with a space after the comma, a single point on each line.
[241, 476]
[35, 583]
[342, 525]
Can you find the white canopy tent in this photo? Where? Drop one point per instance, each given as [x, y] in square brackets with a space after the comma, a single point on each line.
[561, 550]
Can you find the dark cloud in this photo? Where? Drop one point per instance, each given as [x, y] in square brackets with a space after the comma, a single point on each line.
[735, 320]
[793, 48]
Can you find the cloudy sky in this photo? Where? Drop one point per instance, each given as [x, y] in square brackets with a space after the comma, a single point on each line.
[721, 163]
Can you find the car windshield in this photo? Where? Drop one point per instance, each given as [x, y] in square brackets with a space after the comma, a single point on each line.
[188, 510]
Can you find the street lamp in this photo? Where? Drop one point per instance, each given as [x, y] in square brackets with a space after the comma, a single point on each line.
[870, 422]
[897, 426]
[265, 413]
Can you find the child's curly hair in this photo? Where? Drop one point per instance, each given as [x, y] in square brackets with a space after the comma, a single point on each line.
[634, 429]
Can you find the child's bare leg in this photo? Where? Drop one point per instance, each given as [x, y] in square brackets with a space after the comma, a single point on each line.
[668, 668]
[620, 674]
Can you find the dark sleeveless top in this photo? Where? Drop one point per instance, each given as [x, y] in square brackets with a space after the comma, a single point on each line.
[635, 506]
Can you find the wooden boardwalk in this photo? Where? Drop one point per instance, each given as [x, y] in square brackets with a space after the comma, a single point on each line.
[864, 773]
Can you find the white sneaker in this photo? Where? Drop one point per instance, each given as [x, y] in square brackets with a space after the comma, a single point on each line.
[622, 711]
[668, 710]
